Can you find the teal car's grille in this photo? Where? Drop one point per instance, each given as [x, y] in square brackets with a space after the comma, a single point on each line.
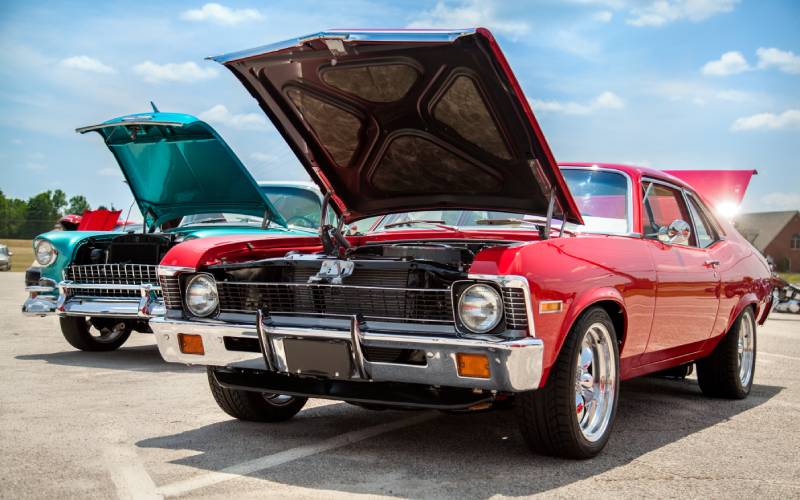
[110, 274]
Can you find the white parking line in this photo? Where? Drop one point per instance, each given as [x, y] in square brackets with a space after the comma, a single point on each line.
[129, 476]
[269, 461]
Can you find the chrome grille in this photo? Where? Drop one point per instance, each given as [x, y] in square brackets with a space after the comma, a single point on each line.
[395, 304]
[110, 274]
[516, 309]
[171, 290]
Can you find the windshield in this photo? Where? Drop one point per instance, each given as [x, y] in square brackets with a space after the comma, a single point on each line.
[300, 208]
[3, 250]
[601, 196]
[462, 219]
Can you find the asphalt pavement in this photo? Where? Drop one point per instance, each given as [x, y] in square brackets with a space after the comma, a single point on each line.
[127, 425]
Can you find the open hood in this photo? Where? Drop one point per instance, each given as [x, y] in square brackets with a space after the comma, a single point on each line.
[177, 165]
[391, 121]
[99, 220]
[725, 189]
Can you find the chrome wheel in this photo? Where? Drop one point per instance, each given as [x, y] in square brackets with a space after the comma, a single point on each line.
[745, 348]
[595, 382]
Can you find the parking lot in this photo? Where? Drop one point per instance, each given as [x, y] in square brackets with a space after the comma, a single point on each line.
[127, 425]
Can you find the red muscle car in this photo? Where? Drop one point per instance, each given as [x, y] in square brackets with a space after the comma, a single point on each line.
[494, 278]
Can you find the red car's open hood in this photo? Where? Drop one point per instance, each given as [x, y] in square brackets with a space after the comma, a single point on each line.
[391, 121]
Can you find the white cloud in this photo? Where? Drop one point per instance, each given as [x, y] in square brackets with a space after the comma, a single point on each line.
[35, 166]
[86, 63]
[730, 63]
[771, 121]
[220, 14]
[16, 141]
[698, 93]
[110, 172]
[661, 12]
[781, 201]
[606, 100]
[219, 114]
[263, 157]
[613, 4]
[173, 72]
[469, 13]
[784, 60]
[603, 16]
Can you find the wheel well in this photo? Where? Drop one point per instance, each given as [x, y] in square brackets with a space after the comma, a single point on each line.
[617, 315]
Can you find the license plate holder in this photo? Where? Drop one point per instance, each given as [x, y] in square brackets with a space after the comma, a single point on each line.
[330, 359]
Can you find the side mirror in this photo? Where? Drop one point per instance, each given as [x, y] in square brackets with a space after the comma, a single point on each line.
[677, 233]
[10, 254]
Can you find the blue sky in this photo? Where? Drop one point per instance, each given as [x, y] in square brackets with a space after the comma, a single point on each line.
[669, 83]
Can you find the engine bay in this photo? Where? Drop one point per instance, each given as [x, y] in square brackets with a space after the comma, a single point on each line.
[130, 248]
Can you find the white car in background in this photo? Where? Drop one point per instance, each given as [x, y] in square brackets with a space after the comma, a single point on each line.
[5, 258]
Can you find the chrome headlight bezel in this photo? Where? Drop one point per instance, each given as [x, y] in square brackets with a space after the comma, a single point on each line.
[492, 298]
[44, 252]
[211, 304]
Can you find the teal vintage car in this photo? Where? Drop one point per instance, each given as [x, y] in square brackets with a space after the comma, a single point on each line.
[187, 184]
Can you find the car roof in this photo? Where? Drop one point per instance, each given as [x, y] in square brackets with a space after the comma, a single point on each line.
[633, 171]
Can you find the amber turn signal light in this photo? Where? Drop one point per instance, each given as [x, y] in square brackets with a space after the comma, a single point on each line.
[473, 365]
[191, 344]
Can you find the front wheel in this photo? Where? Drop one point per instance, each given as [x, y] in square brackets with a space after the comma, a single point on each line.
[728, 371]
[97, 334]
[254, 406]
[572, 415]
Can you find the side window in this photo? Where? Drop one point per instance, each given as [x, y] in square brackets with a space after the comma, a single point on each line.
[703, 229]
[662, 206]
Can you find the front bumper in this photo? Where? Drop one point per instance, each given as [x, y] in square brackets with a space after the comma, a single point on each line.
[40, 302]
[515, 365]
[71, 302]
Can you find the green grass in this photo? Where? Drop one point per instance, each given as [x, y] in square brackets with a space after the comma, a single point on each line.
[23, 253]
[790, 277]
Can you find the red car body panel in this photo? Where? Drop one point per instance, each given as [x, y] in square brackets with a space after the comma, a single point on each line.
[668, 305]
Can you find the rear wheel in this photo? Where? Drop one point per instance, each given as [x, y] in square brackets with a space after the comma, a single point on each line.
[572, 415]
[95, 334]
[254, 406]
[728, 371]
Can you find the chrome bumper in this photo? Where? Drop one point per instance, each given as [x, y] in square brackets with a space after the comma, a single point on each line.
[145, 306]
[515, 365]
[37, 304]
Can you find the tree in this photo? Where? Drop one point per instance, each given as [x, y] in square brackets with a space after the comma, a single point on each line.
[59, 200]
[77, 204]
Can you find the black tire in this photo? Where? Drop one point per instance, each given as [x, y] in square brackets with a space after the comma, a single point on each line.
[77, 331]
[251, 405]
[719, 373]
[547, 417]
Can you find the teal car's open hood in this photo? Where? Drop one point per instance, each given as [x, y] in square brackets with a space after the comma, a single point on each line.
[177, 165]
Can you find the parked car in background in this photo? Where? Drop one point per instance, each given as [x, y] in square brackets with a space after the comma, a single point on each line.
[188, 184]
[495, 278]
[5, 258]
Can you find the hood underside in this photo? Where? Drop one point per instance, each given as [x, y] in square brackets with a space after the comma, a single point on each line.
[407, 120]
[177, 165]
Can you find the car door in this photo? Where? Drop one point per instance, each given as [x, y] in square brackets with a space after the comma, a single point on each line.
[688, 283]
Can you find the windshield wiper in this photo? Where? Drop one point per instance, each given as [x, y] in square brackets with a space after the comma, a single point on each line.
[507, 222]
[435, 223]
[206, 221]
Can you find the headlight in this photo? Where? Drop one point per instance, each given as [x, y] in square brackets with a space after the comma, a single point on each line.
[201, 295]
[45, 252]
[480, 308]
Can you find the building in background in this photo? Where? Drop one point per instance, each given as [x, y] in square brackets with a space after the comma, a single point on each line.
[774, 234]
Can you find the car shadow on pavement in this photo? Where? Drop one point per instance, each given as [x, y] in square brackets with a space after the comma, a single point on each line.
[471, 455]
[134, 358]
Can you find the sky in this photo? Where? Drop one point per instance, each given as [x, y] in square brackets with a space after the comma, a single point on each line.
[707, 84]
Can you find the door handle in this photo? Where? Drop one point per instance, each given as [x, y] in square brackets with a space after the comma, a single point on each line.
[711, 263]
